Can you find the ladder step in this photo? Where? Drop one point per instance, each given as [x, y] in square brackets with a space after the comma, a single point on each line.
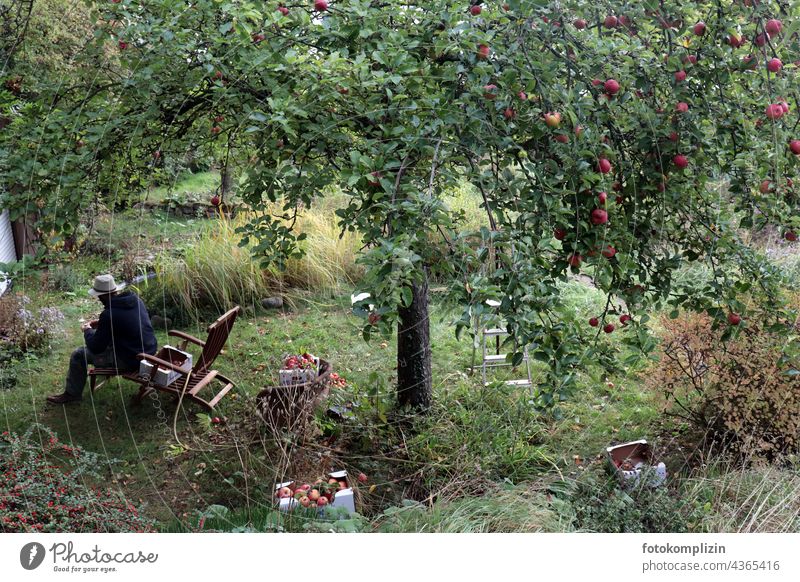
[500, 360]
[523, 382]
[495, 331]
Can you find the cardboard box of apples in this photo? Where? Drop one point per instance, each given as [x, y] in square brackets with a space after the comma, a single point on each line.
[299, 369]
[335, 491]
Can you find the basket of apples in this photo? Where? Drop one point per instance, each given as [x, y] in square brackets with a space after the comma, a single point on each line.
[291, 404]
[299, 369]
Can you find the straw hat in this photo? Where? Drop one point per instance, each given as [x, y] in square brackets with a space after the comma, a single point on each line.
[105, 284]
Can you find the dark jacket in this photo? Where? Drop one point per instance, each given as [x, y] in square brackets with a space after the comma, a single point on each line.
[125, 326]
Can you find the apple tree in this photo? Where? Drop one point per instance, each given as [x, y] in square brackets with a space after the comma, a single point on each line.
[616, 140]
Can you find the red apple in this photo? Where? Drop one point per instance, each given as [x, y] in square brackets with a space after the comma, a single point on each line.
[216, 129]
[215, 200]
[602, 197]
[522, 95]
[475, 10]
[680, 161]
[700, 28]
[509, 113]
[215, 420]
[579, 23]
[764, 187]
[773, 26]
[611, 86]
[313, 495]
[362, 478]
[624, 319]
[680, 76]
[603, 166]
[284, 493]
[374, 179]
[483, 51]
[794, 146]
[735, 41]
[320, 5]
[609, 327]
[562, 138]
[552, 119]
[218, 75]
[790, 235]
[322, 502]
[373, 318]
[305, 501]
[609, 252]
[122, 45]
[559, 233]
[575, 259]
[283, 10]
[774, 65]
[489, 92]
[682, 107]
[774, 111]
[594, 322]
[611, 21]
[599, 216]
[304, 487]
[578, 130]
[691, 59]
[734, 318]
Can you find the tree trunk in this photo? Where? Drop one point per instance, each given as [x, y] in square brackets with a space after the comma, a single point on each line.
[414, 385]
[227, 182]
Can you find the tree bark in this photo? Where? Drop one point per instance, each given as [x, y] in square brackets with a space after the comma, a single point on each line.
[414, 382]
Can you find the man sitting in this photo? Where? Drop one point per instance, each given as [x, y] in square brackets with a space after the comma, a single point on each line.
[112, 341]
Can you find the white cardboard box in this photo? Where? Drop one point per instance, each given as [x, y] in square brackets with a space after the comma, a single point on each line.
[162, 376]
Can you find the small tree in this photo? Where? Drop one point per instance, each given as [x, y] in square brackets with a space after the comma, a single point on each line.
[618, 142]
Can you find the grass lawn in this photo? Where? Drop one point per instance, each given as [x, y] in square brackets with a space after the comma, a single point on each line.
[482, 459]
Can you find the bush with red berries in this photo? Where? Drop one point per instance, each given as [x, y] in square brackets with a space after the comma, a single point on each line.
[45, 486]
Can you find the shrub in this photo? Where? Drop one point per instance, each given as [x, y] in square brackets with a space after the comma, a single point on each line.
[63, 278]
[29, 331]
[742, 390]
[596, 503]
[36, 495]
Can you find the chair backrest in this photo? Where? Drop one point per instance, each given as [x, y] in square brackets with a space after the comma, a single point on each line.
[218, 333]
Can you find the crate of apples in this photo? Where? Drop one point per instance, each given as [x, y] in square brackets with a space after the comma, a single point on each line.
[334, 491]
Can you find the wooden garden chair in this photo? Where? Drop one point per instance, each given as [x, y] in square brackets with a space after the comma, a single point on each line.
[188, 384]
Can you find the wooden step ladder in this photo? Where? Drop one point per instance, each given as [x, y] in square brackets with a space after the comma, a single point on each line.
[497, 359]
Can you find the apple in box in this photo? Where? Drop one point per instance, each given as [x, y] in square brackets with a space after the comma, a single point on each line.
[284, 495]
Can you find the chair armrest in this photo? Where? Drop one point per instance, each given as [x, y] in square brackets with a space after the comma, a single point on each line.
[186, 337]
[162, 363]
